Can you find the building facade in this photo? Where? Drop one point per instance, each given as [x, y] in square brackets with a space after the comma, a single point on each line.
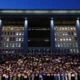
[42, 31]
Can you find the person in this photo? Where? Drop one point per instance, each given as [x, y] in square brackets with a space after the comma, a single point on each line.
[36, 77]
[14, 76]
[69, 75]
[25, 77]
[0, 76]
[6, 77]
[40, 77]
[52, 76]
[55, 76]
[78, 76]
[11, 77]
[32, 76]
[66, 76]
[58, 76]
[62, 77]
[19, 75]
[48, 76]
[3, 77]
[44, 76]
[72, 76]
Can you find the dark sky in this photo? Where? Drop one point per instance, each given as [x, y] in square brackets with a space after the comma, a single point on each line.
[39, 4]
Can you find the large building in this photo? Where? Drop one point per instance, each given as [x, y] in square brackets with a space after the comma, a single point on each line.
[45, 31]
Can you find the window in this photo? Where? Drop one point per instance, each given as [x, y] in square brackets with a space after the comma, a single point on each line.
[22, 39]
[13, 44]
[11, 28]
[77, 50]
[7, 39]
[61, 39]
[16, 33]
[69, 39]
[58, 45]
[16, 39]
[22, 33]
[66, 39]
[7, 45]
[74, 33]
[76, 44]
[19, 39]
[19, 45]
[19, 33]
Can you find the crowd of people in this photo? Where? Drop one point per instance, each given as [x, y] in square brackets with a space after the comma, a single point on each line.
[40, 67]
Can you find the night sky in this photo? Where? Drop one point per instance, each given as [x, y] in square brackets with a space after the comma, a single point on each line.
[39, 4]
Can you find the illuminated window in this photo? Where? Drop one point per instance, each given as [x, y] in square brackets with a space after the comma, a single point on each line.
[65, 28]
[13, 44]
[19, 39]
[74, 28]
[61, 39]
[19, 33]
[6, 44]
[71, 28]
[58, 45]
[19, 45]
[74, 33]
[55, 39]
[66, 39]
[69, 39]
[7, 39]
[11, 28]
[16, 33]
[16, 39]
[62, 28]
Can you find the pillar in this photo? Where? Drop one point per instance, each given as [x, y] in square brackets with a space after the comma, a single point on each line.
[78, 32]
[52, 36]
[25, 43]
[0, 32]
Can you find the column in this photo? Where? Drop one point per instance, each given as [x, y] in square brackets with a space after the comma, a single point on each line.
[78, 32]
[25, 43]
[0, 32]
[52, 36]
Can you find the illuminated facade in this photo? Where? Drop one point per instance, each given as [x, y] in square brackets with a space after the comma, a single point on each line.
[46, 31]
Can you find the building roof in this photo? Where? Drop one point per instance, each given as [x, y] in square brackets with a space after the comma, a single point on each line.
[18, 11]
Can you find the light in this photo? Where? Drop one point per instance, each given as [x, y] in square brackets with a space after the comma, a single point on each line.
[52, 23]
[0, 21]
[26, 23]
[46, 40]
[28, 40]
[77, 22]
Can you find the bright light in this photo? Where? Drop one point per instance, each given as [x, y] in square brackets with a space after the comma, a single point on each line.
[77, 22]
[0, 21]
[26, 23]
